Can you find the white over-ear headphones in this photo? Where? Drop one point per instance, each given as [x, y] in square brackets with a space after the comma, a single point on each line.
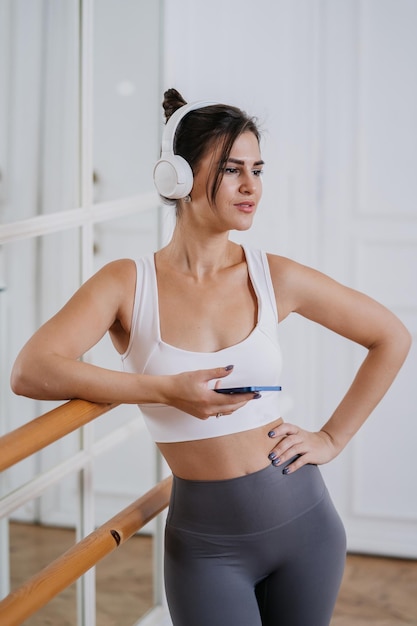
[172, 174]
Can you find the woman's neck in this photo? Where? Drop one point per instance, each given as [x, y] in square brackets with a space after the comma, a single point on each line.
[200, 256]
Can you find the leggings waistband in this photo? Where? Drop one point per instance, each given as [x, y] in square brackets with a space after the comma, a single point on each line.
[246, 504]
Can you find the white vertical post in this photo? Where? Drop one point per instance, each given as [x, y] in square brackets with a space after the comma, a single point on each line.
[162, 469]
[86, 592]
[158, 542]
[4, 522]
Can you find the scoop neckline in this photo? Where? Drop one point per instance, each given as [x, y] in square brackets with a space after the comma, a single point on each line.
[235, 345]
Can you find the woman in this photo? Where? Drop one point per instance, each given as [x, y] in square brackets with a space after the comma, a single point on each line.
[252, 537]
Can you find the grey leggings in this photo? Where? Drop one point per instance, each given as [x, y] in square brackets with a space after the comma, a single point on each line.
[263, 549]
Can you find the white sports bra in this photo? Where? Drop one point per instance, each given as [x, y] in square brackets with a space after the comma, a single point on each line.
[257, 359]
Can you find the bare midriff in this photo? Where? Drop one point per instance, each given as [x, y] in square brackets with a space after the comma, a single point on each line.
[220, 458]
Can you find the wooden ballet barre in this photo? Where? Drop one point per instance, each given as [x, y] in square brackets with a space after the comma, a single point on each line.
[47, 428]
[58, 575]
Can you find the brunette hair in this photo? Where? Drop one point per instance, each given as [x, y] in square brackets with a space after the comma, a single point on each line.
[203, 129]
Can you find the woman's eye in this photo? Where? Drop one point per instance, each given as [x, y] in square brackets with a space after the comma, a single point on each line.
[236, 170]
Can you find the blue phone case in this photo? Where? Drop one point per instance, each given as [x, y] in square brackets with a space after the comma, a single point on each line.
[232, 390]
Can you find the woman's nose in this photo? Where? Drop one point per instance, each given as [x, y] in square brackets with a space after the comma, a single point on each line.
[248, 183]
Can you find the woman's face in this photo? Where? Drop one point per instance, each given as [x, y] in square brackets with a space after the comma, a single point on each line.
[240, 189]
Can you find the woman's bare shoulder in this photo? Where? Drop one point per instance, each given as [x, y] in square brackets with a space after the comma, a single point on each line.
[116, 278]
[121, 270]
[104, 298]
[285, 271]
[280, 264]
[302, 288]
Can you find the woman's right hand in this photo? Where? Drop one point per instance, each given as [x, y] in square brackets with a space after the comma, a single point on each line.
[190, 392]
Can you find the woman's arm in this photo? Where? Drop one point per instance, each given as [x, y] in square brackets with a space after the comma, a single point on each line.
[358, 318]
[49, 366]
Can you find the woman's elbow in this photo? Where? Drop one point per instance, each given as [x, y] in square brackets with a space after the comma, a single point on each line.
[23, 380]
[402, 341]
[18, 381]
[408, 340]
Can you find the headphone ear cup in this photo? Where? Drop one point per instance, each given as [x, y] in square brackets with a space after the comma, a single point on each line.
[173, 176]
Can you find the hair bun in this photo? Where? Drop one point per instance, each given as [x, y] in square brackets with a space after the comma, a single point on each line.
[173, 100]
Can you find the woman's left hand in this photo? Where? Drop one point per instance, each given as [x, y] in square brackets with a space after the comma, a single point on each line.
[314, 448]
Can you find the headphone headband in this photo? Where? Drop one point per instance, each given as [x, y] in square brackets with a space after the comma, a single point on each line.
[172, 124]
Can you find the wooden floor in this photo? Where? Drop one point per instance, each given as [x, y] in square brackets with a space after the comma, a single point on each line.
[375, 591]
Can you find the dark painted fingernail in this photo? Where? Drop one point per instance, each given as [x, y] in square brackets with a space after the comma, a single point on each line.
[229, 367]
[256, 396]
[286, 470]
[272, 456]
[271, 433]
[276, 462]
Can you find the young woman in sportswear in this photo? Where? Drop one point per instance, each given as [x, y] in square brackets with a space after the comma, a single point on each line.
[252, 537]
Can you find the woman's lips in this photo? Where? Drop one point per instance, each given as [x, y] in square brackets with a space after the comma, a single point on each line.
[246, 207]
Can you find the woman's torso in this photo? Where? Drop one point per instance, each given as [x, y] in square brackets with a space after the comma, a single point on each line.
[208, 319]
[220, 458]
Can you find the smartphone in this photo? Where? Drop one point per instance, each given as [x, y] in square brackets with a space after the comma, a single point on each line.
[232, 390]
